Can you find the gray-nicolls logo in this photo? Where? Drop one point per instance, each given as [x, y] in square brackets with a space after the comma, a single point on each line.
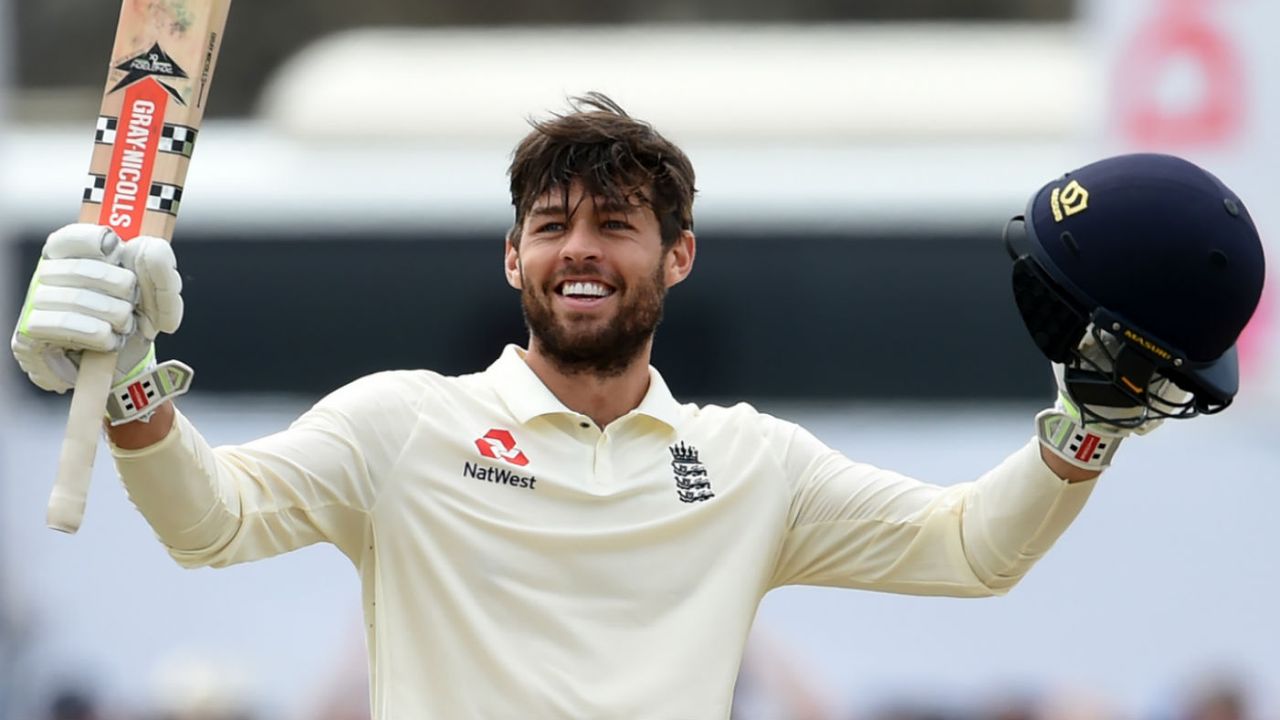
[692, 483]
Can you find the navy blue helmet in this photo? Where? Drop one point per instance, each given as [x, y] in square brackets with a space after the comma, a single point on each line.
[1155, 257]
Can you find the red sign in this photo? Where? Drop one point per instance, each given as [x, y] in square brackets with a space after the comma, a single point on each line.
[1181, 44]
[138, 396]
[1087, 447]
[133, 157]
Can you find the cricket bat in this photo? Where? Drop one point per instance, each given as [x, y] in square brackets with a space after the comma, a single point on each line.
[157, 86]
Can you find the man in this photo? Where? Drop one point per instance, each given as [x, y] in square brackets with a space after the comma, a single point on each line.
[556, 536]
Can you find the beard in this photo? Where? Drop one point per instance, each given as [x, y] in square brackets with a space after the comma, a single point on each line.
[603, 347]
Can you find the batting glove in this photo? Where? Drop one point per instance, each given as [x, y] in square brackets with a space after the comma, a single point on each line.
[90, 291]
[1079, 433]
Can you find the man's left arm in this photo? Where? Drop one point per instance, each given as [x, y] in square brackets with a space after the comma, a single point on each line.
[1066, 470]
[855, 525]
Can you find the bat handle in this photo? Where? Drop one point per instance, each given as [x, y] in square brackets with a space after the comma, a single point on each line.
[80, 445]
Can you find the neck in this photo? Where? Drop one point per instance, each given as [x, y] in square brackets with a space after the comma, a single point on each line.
[603, 398]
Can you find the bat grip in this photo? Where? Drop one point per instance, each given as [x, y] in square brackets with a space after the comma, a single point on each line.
[80, 445]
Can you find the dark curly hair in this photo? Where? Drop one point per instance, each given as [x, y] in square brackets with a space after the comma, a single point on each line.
[616, 157]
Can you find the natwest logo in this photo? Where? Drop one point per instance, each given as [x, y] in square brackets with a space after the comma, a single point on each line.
[499, 444]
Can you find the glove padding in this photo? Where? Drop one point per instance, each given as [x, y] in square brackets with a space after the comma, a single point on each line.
[1162, 393]
[1072, 430]
[91, 291]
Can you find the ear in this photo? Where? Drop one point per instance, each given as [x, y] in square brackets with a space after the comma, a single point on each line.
[679, 260]
[511, 266]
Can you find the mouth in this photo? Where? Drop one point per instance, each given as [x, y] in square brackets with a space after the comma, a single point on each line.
[582, 294]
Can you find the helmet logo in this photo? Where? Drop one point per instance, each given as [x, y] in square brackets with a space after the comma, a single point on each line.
[1068, 201]
[1147, 344]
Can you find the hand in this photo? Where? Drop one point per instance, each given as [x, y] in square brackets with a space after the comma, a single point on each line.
[1119, 413]
[91, 291]
[1086, 436]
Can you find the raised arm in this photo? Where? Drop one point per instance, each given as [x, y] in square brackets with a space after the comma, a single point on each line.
[315, 481]
[855, 525]
[312, 482]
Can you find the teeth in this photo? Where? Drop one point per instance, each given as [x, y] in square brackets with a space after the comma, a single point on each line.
[584, 288]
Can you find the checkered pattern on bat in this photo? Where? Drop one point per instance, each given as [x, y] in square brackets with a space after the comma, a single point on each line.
[95, 188]
[106, 132]
[174, 139]
[163, 197]
[177, 139]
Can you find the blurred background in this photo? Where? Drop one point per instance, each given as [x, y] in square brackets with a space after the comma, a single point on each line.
[856, 163]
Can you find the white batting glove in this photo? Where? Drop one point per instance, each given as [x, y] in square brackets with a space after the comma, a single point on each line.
[1077, 436]
[1065, 432]
[91, 291]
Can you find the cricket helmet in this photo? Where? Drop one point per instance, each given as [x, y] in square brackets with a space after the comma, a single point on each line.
[1154, 259]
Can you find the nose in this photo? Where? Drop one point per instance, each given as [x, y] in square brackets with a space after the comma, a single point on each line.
[581, 243]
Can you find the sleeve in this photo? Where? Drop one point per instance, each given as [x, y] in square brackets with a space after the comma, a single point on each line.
[854, 525]
[315, 481]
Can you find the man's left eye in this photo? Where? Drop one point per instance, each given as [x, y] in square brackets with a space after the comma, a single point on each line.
[616, 225]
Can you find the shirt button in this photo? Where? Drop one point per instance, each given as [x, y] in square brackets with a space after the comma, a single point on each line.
[584, 424]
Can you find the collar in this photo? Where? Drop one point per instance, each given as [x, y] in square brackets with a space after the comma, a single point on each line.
[527, 398]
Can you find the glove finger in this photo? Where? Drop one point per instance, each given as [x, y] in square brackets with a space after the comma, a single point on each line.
[43, 378]
[71, 331]
[82, 240]
[1166, 392]
[47, 367]
[1148, 426]
[116, 312]
[90, 275]
[159, 284]
[1098, 355]
[169, 314]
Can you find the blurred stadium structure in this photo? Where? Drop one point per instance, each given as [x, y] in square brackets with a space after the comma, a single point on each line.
[52, 79]
[853, 180]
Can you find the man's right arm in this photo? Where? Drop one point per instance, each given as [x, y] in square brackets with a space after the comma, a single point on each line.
[139, 434]
[315, 481]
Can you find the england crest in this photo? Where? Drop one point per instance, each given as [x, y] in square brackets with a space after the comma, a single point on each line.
[692, 482]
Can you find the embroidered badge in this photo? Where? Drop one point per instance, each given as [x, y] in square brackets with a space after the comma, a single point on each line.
[692, 482]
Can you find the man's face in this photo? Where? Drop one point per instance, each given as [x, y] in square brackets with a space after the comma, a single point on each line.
[592, 279]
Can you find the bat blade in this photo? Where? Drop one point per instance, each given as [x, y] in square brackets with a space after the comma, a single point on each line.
[158, 83]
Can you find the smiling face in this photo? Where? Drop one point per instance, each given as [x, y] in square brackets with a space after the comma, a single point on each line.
[592, 276]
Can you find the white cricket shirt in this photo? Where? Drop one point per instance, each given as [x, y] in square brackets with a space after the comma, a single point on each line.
[518, 562]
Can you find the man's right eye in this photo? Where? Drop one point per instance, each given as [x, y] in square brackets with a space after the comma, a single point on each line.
[550, 227]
